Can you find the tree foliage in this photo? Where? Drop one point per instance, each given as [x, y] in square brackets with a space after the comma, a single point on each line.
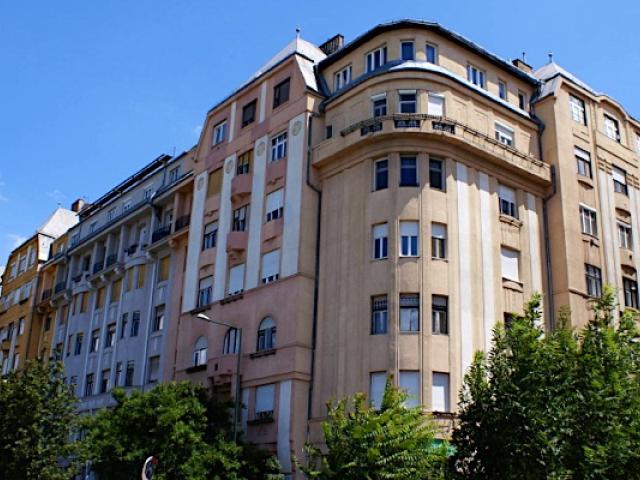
[36, 424]
[561, 405]
[363, 443]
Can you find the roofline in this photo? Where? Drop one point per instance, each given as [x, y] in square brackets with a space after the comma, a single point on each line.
[433, 26]
[27, 240]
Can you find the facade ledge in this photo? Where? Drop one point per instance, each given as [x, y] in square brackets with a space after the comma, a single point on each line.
[586, 181]
[196, 368]
[232, 298]
[591, 240]
[263, 353]
[512, 285]
[510, 220]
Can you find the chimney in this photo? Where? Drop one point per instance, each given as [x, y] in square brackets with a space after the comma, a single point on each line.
[332, 45]
[78, 205]
[520, 64]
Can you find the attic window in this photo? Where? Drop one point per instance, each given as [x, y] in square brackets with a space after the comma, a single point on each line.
[249, 113]
[281, 93]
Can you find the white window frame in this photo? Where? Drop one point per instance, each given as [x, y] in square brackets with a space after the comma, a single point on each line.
[236, 280]
[205, 291]
[219, 132]
[502, 88]
[409, 381]
[504, 134]
[612, 127]
[270, 271]
[200, 351]
[440, 392]
[402, 103]
[380, 235]
[409, 229]
[375, 172]
[625, 235]
[377, 384]
[583, 157]
[510, 264]
[265, 399]
[370, 59]
[578, 109]
[589, 220]
[342, 78]
[438, 241]
[435, 104]
[378, 98]
[278, 146]
[620, 180]
[476, 76]
[508, 201]
[435, 52]
[274, 205]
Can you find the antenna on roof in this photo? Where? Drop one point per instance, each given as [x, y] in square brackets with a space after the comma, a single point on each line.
[297, 33]
[524, 57]
[550, 57]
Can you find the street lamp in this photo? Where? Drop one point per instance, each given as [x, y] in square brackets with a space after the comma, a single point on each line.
[236, 410]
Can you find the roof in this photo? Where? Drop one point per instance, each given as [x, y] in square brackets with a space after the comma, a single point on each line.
[435, 27]
[58, 223]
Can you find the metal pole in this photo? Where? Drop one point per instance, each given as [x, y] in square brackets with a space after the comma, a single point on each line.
[236, 415]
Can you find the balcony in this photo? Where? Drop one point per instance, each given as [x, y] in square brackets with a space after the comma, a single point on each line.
[76, 278]
[275, 171]
[111, 259]
[60, 286]
[182, 222]
[131, 249]
[46, 294]
[241, 185]
[237, 241]
[97, 267]
[160, 233]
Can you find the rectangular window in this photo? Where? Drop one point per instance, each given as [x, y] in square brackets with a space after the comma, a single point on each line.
[117, 380]
[377, 383]
[578, 112]
[583, 160]
[279, 147]
[407, 51]
[78, 346]
[638, 143]
[210, 236]
[281, 93]
[128, 377]
[158, 319]
[410, 382]
[110, 339]
[380, 241]
[116, 289]
[205, 291]
[431, 53]
[438, 240]
[21, 326]
[476, 76]
[435, 105]
[504, 134]
[620, 181]
[589, 220]
[328, 131]
[342, 78]
[507, 197]
[174, 173]
[612, 128]
[379, 314]
[265, 397]
[271, 266]
[236, 280]
[95, 341]
[240, 219]
[376, 59]
[502, 90]
[379, 103]
[275, 205]
[409, 312]
[439, 315]
[407, 101]
[249, 113]
[522, 100]
[593, 278]
[142, 272]
[509, 261]
[381, 174]
[88, 386]
[408, 171]
[219, 132]
[100, 297]
[244, 163]
[440, 392]
[436, 174]
[163, 269]
[104, 381]
[84, 302]
[124, 320]
[154, 369]
[408, 239]
[135, 324]
[630, 287]
[624, 235]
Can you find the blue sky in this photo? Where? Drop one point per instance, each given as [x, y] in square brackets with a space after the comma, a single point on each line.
[92, 91]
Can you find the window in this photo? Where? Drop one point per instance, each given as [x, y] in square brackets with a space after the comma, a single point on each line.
[148, 193]
[110, 338]
[104, 381]
[440, 392]
[630, 287]
[408, 171]
[154, 369]
[47, 324]
[410, 383]
[408, 239]
[100, 297]
[128, 376]
[123, 324]
[78, 346]
[435, 105]
[84, 302]
[509, 261]
[620, 181]
[281, 93]
[436, 174]
[73, 383]
[275, 202]
[117, 380]
[142, 272]
[265, 395]
[379, 314]
[163, 269]
[240, 219]
[409, 312]
[158, 319]
[128, 284]
[438, 240]
[476, 76]
[249, 113]
[111, 214]
[266, 335]
[379, 103]
[88, 386]
[16, 361]
[342, 78]
[328, 131]
[407, 101]
[210, 237]
[271, 266]
[380, 241]
[638, 143]
[584, 162]
[439, 314]
[244, 163]
[21, 326]
[236, 280]
[522, 100]
[612, 128]
[589, 221]
[593, 277]
[502, 90]
[431, 53]
[377, 383]
[174, 173]
[279, 147]
[376, 59]
[407, 51]
[135, 324]
[205, 290]
[93, 226]
[95, 341]
[578, 112]
[116, 289]
[624, 235]
[381, 174]
[507, 198]
[126, 206]
[219, 132]
[200, 351]
[504, 134]
[231, 342]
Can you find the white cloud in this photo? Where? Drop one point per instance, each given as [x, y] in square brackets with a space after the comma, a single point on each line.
[3, 199]
[16, 240]
[197, 129]
[57, 196]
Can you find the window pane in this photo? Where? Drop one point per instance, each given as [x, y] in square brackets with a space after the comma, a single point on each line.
[410, 383]
[440, 392]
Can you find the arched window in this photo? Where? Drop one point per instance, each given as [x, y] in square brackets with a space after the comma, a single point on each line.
[200, 352]
[266, 334]
[231, 339]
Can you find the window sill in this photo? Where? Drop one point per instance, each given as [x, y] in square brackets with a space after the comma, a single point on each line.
[263, 353]
[590, 239]
[438, 259]
[409, 332]
[586, 181]
[260, 421]
[409, 185]
[378, 333]
[232, 298]
[196, 368]
[381, 259]
[512, 285]
[510, 220]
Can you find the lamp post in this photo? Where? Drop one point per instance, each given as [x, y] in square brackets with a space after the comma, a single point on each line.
[236, 410]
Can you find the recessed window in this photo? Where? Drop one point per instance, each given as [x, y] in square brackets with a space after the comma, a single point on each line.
[588, 219]
[630, 288]
[244, 163]
[583, 160]
[625, 239]
[88, 385]
[231, 342]
[509, 260]
[200, 351]
[281, 93]
[436, 174]
[408, 171]
[236, 280]
[279, 147]
[408, 239]
[266, 335]
[504, 134]
[439, 315]
[154, 369]
[104, 381]
[249, 113]
[78, 345]
[342, 78]
[435, 105]
[95, 341]
[135, 323]
[377, 383]
[129, 373]
[381, 174]
[265, 398]
[158, 319]
[380, 241]
[578, 112]
[117, 380]
[507, 197]
[593, 278]
[240, 216]
[210, 237]
[620, 181]
[409, 312]
[438, 241]
[522, 100]
[379, 314]
[124, 321]
[476, 76]
[612, 128]
[110, 338]
[407, 101]
[431, 52]
[379, 103]
[376, 59]
[502, 89]
[328, 131]
[275, 205]
[409, 381]
[407, 51]
[270, 266]
[440, 392]
[219, 132]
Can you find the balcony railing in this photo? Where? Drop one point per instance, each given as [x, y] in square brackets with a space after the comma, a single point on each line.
[46, 294]
[111, 259]
[160, 233]
[98, 266]
[60, 286]
[131, 249]
[182, 222]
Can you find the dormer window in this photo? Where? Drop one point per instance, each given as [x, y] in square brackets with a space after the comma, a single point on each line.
[522, 100]
[249, 113]
[219, 132]
[376, 59]
[281, 93]
[407, 50]
[577, 110]
[431, 52]
[476, 76]
[612, 128]
[342, 78]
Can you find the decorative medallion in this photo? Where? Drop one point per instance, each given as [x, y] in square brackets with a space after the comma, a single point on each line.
[229, 167]
[297, 127]
[200, 183]
[260, 148]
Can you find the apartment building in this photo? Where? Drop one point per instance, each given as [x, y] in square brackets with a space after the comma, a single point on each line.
[19, 333]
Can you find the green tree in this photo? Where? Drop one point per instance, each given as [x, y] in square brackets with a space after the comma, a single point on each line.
[363, 443]
[36, 424]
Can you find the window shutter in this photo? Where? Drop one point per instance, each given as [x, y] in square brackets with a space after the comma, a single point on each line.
[509, 260]
[440, 392]
[619, 175]
[438, 230]
[410, 382]
[507, 194]
[264, 398]
[436, 105]
[381, 230]
[409, 229]
[236, 279]
[270, 264]
[274, 200]
[377, 383]
[582, 154]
